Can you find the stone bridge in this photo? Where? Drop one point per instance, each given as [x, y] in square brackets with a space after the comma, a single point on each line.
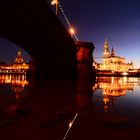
[34, 27]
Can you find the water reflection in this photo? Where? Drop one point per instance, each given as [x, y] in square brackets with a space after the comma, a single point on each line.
[71, 110]
[114, 87]
[12, 87]
[13, 79]
[70, 125]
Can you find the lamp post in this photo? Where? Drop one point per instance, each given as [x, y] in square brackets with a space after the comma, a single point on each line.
[72, 31]
[55, 2]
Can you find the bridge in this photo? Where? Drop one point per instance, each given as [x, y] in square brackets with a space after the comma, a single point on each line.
[33, 26]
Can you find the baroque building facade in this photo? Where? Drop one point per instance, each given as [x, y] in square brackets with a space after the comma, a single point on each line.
[19, 66]
[112, 62]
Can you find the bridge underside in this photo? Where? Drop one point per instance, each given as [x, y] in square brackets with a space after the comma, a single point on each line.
[34, 27]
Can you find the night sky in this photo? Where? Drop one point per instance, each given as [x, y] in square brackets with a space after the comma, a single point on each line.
[115, 20]
[97, 20]
[8, 51]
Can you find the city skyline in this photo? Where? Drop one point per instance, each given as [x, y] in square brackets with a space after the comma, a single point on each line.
[96, 20]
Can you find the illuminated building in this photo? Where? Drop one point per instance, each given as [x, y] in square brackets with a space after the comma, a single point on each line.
[19, 64]
[16, 82]
[18, 67]
[112, 62]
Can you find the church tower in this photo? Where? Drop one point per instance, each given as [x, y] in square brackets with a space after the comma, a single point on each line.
[106, 52]
[112, 52]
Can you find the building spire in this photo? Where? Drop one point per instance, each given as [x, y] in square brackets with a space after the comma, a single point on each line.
[106, 52]
[112, 51]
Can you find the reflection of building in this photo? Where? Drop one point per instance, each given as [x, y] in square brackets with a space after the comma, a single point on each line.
[18, 82]
[19, 59]
[16, 85]
[113, 87]
[18, 67]
[112, 62]
[13, 79]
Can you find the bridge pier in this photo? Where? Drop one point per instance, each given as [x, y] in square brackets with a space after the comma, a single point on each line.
[84, 58]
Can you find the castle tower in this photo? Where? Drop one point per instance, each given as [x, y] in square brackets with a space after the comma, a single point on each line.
[106, 52]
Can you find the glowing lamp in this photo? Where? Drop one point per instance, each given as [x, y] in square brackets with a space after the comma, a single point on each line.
[53, 2]
[70, 124]
[72, 31]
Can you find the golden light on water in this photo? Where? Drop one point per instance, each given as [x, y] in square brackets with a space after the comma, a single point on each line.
[14, 80]
[114, 87]
[70, 124]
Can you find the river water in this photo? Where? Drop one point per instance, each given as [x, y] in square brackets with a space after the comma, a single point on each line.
[104, 108]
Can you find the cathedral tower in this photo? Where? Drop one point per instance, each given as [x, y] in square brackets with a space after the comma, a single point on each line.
[112, 52]
[106, 52]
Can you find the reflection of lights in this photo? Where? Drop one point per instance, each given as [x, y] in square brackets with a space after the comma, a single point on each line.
[70, 125]
[106, 108]
[124, 73]
[113, 87]
[105, 100]
[14, 80]
[17, 96]
[112, 80]
[125, 79]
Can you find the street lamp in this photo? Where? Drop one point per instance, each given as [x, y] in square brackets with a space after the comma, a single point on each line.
[55, 2]
[72, 31]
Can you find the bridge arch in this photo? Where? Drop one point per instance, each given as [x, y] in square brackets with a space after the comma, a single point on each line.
[34, 27]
